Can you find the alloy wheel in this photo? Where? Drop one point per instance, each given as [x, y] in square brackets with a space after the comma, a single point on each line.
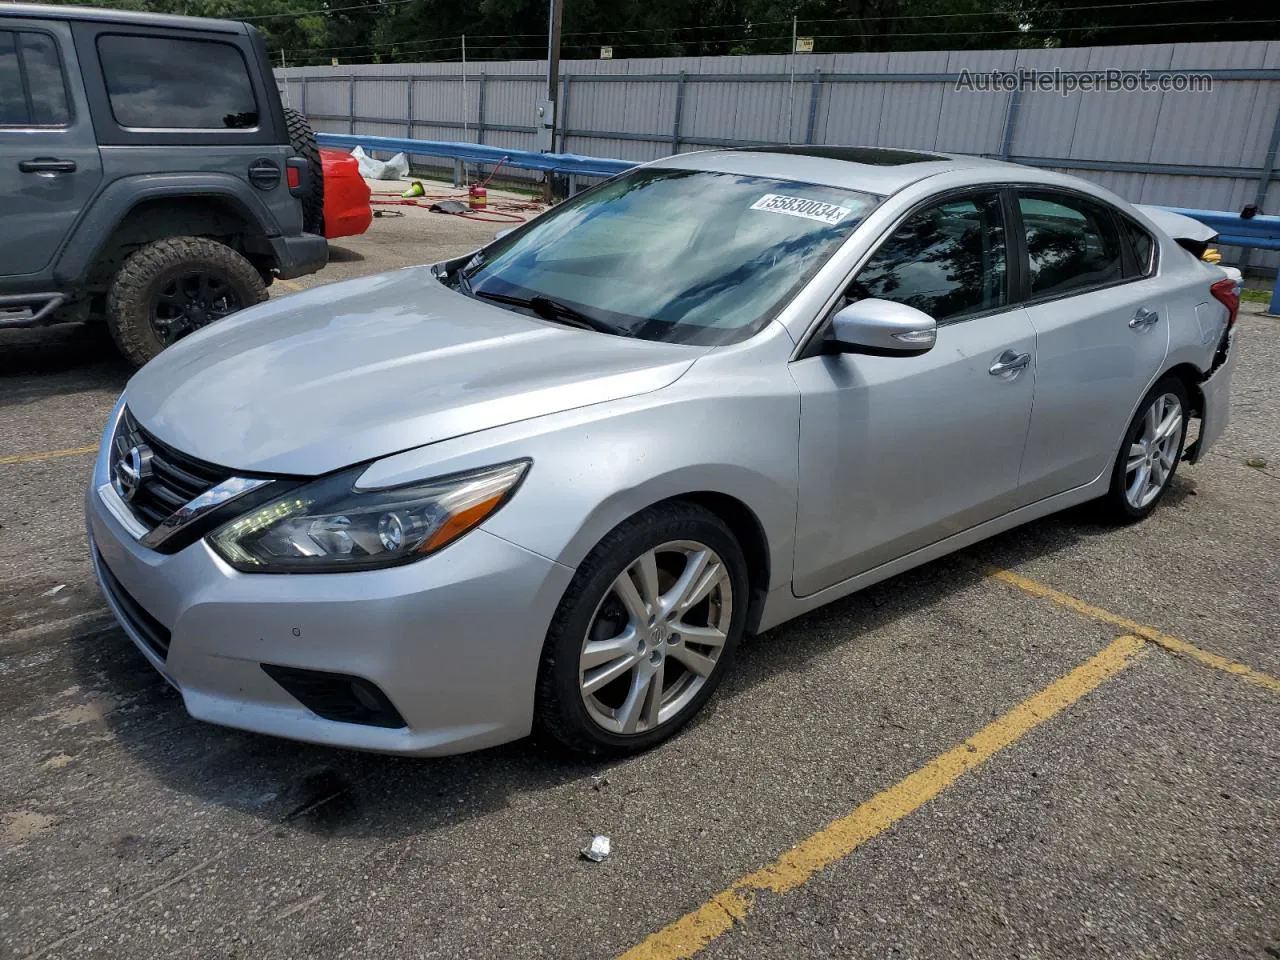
[1154, 451]
[656, 637]
[190, 301]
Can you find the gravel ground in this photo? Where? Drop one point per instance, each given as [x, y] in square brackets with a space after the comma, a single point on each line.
[1144, 821]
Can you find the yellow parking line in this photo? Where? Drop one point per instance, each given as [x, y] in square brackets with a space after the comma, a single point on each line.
[1173, 644]
[49, 455]
[695, 930]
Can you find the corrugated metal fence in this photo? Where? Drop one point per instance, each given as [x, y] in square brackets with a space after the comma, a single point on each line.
[1211, 149]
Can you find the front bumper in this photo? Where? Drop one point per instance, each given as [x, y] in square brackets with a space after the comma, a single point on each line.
[453, 641]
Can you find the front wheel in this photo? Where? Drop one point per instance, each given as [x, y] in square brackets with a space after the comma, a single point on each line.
[173, 287]
[645, 632]
[1150, 452]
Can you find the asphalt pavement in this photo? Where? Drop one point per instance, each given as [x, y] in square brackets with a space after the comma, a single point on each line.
[1063, 742]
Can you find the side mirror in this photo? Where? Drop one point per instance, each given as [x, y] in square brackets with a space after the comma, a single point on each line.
[881, 328]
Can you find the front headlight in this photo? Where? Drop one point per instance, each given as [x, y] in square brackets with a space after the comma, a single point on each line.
[329, 525]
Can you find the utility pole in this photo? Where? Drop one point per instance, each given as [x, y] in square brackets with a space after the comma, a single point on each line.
[791, 93]
[466, 108]
[553, 84]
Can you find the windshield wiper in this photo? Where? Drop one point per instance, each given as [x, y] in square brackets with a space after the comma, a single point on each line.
[554, 310]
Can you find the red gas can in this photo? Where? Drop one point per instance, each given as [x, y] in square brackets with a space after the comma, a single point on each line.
[477, 197]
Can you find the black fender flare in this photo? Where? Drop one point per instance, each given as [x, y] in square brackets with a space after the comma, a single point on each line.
[112, 205]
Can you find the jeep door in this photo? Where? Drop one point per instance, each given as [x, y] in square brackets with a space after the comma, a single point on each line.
[49, 163]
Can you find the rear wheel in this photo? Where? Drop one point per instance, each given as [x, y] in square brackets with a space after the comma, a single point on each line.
[645, 632]
[303, 141]
[173, 287]
[1150, 452]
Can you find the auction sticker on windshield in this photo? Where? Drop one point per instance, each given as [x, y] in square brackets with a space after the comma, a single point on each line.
[831, 213]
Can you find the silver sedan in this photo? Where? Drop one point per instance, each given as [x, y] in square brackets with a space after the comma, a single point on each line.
[548, 486]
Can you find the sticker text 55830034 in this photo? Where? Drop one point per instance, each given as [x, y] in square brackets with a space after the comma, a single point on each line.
[800, 207]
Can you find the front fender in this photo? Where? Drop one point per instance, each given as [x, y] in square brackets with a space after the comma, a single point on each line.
[596, 466]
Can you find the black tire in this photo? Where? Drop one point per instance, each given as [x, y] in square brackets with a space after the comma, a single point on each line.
[154, 278]
[303, 141]
[561, 712]
[1116, 504]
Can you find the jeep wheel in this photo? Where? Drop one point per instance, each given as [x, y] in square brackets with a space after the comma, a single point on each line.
[303, 141]
[172, 287]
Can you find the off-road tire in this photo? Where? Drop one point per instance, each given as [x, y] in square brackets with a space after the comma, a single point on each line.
[303, 141]
[132, 295]
[560, 715]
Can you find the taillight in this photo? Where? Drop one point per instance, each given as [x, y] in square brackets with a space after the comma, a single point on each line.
[294, 176]
[1227, 294]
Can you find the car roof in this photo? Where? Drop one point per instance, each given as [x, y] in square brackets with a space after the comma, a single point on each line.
[868, 169]
[130, 18]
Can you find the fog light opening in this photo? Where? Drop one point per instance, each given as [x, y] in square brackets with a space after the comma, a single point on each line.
[337, 696]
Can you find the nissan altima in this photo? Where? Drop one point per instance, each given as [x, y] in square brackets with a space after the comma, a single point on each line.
[549, 485]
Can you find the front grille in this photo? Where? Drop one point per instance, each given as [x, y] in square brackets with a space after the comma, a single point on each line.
[175, 479]
[151, 631]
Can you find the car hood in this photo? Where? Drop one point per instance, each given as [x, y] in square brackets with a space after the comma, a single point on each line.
[357, 370]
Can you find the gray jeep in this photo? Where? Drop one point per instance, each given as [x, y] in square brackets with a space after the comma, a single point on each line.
[149, 174]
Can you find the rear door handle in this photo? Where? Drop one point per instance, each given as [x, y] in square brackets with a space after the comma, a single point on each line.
[1009, 362]
[1144, 318]
[47, 165]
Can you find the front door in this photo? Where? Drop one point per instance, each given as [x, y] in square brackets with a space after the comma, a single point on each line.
[897, 453]
[49, 164]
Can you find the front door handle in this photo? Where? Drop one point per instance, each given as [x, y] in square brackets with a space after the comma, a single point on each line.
[1144, 318]
[47, 165]
[1009, 362]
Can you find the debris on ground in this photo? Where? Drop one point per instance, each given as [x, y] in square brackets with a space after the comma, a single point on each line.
[597, 850]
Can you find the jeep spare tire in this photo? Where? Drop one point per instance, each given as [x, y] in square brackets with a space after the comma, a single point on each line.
[303, 141]
[173, 287]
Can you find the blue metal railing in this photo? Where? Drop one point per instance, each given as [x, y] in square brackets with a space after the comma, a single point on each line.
[1259, 232]
[568, 163]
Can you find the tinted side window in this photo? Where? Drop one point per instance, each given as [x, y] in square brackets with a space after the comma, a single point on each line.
[162, 83]
[13, 102]
[32, 90]
[947, 260]
[1143, 245]
[1071, 242]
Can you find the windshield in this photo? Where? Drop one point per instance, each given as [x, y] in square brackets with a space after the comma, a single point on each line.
[681, 256]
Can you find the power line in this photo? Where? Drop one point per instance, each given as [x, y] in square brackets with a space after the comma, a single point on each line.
[512, 48]
[382, 4]
[606, 34]
[294, 14]
[1025, 30]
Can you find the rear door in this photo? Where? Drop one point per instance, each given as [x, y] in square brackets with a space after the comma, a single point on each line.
[49, 165]
[897, 453]
[1102, 334]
